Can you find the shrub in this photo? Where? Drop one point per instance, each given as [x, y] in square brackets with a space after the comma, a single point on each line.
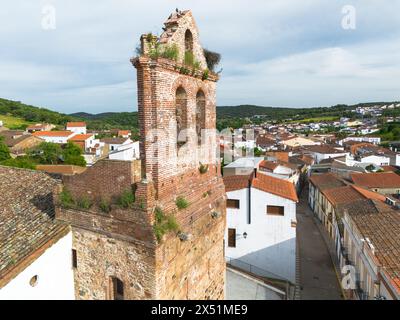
[4, 151]
[189, 58]
[66, 199]
[126, 199]
[181, 203]
[171, 52]
[19, 162]
[84, 203]
[203, 168]
[184, 70]
[205, 74]
[105, 206]
[191, 61]
[163, 224]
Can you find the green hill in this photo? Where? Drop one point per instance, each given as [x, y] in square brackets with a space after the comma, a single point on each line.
[20, 114]
[31, 114]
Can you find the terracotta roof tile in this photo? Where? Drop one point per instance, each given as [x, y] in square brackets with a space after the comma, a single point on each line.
[238, 182]
[389, 168]
[114, 140]
[26, 215]
[76, 124]
[268, 165]
[52, 133]
[350, 193]
[382, 228]
[80, 137]
[377, 180]
[123, 132]
[279, 187]
[324, 149]
[326, 181]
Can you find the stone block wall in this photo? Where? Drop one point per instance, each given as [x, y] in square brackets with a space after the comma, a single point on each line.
[100, 257]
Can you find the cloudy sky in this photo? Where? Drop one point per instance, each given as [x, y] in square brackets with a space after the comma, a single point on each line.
[275, 53]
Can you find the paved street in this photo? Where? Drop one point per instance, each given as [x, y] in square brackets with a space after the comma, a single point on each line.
[317, 276]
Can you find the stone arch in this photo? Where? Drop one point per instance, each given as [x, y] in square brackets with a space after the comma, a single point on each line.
[200, 113]
[188, 41]
[181, 112]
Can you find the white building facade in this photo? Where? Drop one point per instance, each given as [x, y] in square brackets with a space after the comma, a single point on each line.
[261, 230]
[49, 277]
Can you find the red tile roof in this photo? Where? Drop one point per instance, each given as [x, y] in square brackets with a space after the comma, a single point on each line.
[80, 137]
[323, 149]
[268, 165]
[383, 231]
[377, 180]
[369, 194]
[351, 193]
[239, 182]
[52, 133]
[263, 182]
[279, 187]
[389, 168]
[76, 124]
[124, 132]
[326, 181]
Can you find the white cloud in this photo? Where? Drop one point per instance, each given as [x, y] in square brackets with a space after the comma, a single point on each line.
[285, 52]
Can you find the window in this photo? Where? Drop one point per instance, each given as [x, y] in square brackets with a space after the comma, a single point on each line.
[276, 210]
[117, 289]
[74, 259]
[232, 203]
[181, 115]
[188, 41]
[232, 238]
[200, 114]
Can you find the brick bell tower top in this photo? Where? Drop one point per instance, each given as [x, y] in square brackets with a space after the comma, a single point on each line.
[176, 102]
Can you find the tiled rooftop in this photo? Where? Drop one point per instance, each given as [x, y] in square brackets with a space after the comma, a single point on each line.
[276, 186]
[377, 180]
[326, 181]
[26, 215]
[52, 133]
[76, 124]
[238, 182]
[383, 231]
[350, 193]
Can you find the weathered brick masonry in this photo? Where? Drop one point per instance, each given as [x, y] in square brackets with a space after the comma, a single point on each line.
[122, 244]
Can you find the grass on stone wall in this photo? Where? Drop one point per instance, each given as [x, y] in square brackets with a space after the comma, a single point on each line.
[66, 200]
[84, 203]
[104, 206]
[163, 224]
[126, 199]
[181, 203]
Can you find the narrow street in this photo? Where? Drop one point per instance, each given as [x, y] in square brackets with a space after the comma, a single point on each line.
[317, 277]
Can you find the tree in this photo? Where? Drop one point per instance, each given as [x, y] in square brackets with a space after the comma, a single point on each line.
[72, 154]
[258, 152]
[19, 163]
[4, 151]
[46, 153]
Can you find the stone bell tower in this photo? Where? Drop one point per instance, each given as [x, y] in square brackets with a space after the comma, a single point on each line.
[168, 244]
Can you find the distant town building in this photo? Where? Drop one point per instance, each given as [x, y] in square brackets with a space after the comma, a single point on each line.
[60, 137]
[76, 127]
